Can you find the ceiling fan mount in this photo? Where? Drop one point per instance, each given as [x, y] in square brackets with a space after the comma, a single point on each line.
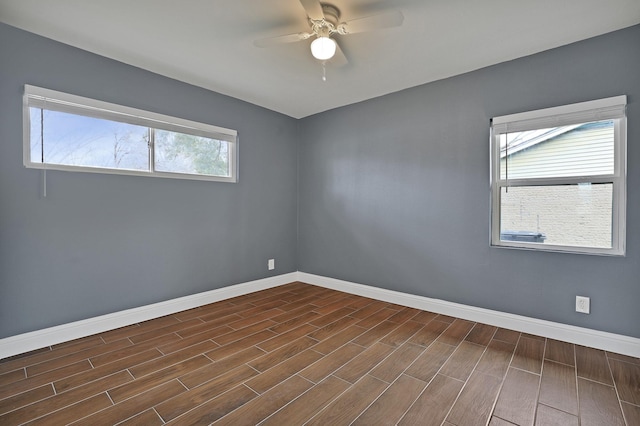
[331, 14]
[328, 24]
[324, 22]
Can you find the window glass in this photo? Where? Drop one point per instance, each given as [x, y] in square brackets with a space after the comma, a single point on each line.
[74, 140]
[68, 132]
[182, 153]
[568, 215]
[576, 150]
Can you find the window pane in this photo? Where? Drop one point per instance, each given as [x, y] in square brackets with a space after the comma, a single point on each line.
[75, 140]
[571, 215]
[578, 150]
[182, 153]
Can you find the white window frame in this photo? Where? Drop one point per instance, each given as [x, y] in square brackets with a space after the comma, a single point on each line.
[64, 102]
[602, 109]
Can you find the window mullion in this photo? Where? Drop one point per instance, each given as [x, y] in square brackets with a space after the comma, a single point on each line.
[152, 149]
[557, 181]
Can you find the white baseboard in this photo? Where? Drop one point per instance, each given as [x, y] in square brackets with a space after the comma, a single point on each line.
[26, 342]
[582, 336]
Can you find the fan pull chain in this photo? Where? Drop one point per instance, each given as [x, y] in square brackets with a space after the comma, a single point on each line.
[324, 70]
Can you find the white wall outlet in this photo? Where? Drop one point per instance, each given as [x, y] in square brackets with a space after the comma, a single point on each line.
[271, 264]
[583, 304]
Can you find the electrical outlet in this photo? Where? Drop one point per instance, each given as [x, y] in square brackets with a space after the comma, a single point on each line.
[583, 304]
[271, 264]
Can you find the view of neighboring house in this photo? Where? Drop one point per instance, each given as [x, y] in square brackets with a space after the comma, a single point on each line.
[568, 151]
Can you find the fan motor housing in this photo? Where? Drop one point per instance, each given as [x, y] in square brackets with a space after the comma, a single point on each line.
[331, 13]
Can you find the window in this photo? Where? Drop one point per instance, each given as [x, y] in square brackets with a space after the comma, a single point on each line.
[68, 132]
[558, 178]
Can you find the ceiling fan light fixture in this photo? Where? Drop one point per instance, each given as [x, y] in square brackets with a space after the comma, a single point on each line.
[323, 48]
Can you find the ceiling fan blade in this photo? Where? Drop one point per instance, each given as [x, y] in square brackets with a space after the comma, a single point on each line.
[313, 9]
[338, 59]
[289, 38]
[374, 22]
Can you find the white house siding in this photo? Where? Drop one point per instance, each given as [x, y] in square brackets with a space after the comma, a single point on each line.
[570, 214]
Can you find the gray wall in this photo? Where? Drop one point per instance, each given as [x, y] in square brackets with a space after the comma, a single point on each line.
[102, 243]
[394, 191]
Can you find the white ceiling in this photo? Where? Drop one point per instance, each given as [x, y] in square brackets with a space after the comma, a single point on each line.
[209, 43]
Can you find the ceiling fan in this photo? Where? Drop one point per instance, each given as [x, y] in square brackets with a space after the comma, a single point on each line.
[324, 20]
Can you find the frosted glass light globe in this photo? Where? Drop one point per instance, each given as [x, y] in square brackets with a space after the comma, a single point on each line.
[323, 48]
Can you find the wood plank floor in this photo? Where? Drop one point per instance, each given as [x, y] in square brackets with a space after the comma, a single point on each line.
[300, 354]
